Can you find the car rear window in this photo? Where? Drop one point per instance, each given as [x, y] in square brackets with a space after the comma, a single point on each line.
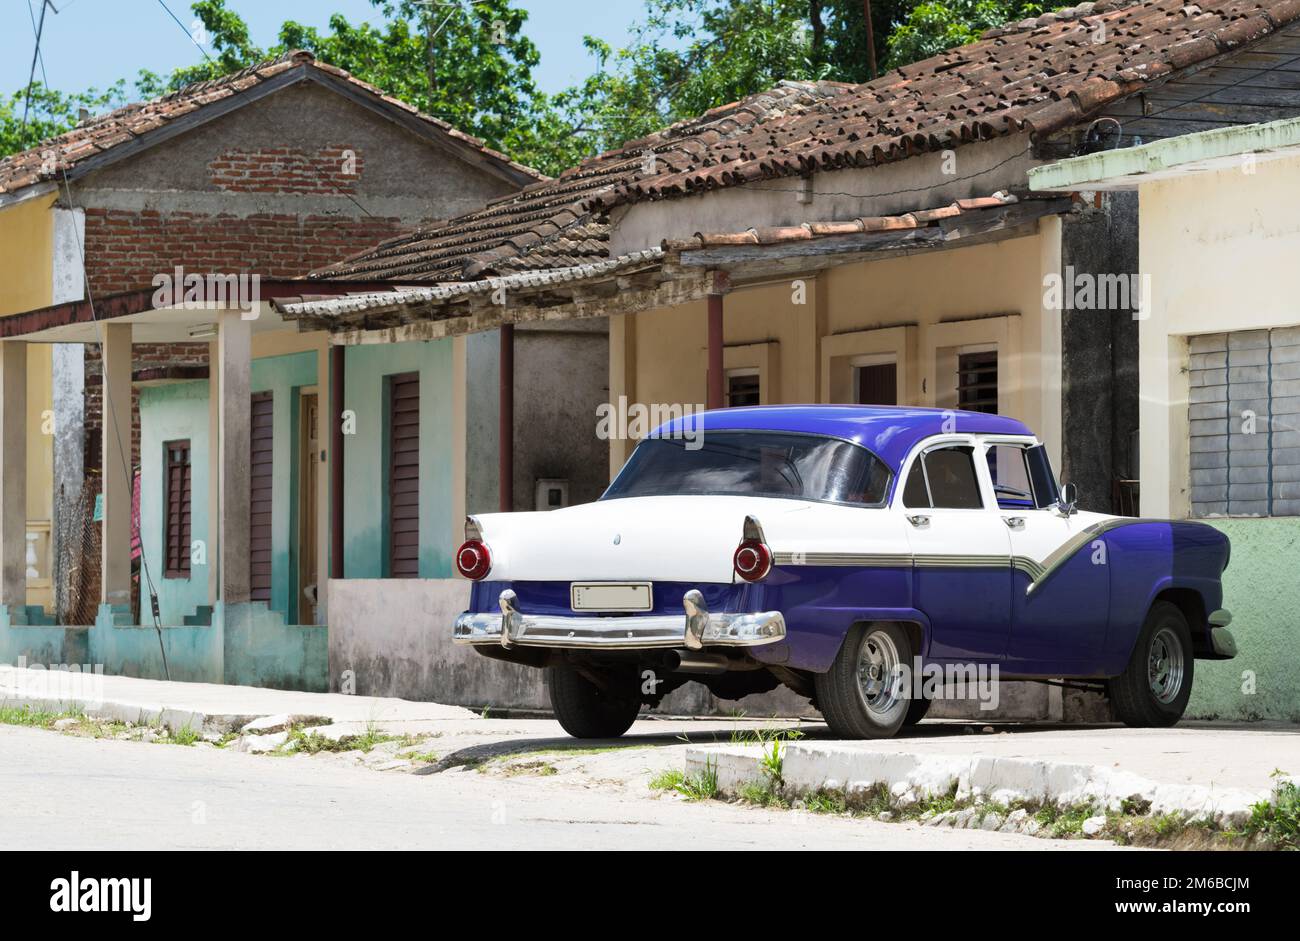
[755, 464]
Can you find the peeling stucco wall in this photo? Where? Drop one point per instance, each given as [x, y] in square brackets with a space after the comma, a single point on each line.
[1262, 590]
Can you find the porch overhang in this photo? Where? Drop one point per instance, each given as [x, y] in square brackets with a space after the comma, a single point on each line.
[764, 254]
[1173, 157]
[675, 273]
[77, 321]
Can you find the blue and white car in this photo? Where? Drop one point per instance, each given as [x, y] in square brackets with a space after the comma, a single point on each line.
[831, 549]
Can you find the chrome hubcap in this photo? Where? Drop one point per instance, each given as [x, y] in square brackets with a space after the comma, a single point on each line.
[880, 675]
[1165, 666]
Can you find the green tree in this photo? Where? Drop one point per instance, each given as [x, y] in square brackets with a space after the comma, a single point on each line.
[930, 28]
[50, 113]
[471, 64]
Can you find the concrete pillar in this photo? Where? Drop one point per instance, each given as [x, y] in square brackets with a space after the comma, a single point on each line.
[506, 421]
[337, 405]
[234, 442]
[213, 535]
[115, 588]
[13, 480]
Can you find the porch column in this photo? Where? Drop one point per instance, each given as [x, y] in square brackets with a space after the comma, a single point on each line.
[115, 567]
[213, 537]
[234, 354]
[717, 386]
[506, 420]
[336, 406]
[13, 480]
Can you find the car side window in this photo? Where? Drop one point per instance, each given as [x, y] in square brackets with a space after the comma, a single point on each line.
[944, 479]
[953, 483]
[916, 496]
[1009, 471]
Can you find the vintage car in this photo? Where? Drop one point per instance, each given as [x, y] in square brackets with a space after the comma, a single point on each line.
[833, 549]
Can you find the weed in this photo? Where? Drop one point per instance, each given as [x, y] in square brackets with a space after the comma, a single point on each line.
[1277, 820]
[701, 786]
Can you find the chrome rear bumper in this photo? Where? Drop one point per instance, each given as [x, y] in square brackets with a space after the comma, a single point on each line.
[694, 629]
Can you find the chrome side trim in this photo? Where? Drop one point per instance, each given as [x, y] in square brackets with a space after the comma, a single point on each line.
[1066, 551]
[962, 561]
[1022, 563]
[856, 560]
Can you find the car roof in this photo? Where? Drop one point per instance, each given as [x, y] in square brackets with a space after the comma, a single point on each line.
[890, 432]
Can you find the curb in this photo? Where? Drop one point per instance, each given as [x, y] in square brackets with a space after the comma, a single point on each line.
[155, 714]
[807, 769]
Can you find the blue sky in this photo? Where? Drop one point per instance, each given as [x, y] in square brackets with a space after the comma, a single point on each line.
[96, 42]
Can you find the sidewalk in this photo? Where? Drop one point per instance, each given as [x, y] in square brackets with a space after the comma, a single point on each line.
[1195, 770]
[201, 706]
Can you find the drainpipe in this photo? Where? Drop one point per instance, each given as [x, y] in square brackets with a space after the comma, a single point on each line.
[716, 398]
[336, 462]
[506, 420]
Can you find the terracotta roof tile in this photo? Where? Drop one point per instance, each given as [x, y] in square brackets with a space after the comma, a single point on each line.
[811, 231]
[101, 134]
[1040, 75]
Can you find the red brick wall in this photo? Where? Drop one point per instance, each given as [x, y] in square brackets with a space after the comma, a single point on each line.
[125, 250]
[287, 170]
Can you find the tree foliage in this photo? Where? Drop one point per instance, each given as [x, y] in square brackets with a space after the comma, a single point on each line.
[471, 63]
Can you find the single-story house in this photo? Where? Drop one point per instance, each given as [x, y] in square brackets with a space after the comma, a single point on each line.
[827, 243]
[1220, 377]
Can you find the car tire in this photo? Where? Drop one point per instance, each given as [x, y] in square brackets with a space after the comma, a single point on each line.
[1154, 688]
[917, 711]
[856, 696]
[585, 709]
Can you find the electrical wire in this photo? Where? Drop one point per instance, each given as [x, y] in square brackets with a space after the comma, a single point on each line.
[108, 392]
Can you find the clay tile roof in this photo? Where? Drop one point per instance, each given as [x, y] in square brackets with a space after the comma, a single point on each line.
[811, 231]
[49, 159]
[1040, 75]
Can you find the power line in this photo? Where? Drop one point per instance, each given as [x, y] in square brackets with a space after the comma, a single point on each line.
[108, 392]
[36, 54]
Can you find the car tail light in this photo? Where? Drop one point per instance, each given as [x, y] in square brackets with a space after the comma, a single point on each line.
[752, 561]
[473, 560]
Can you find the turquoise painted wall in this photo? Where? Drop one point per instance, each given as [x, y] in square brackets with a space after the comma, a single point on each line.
[284, 377]
[365, 456]
[173, 413]
[1262, 590]
[180, 411]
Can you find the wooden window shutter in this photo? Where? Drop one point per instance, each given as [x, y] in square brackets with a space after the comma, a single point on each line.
[878, 384]
[977, 382]
[261, 481]
[404, 476]
[176, 509]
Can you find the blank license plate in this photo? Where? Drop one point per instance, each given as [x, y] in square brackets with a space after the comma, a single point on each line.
[611, 597]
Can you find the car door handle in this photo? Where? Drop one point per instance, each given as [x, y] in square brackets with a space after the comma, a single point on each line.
[920, 522]
[1015, 522]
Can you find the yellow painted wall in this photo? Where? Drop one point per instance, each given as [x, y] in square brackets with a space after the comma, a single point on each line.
[1219, 248]
[26, 255]
[948, 299]
[26, 283]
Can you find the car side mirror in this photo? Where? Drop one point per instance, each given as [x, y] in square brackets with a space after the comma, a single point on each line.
[1068, 504]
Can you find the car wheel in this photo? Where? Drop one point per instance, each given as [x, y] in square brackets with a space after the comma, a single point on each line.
[917, 711]
[864, 695]
[1153, 690]
[586, 709]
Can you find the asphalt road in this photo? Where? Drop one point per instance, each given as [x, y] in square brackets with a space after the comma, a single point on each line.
[61, 792]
